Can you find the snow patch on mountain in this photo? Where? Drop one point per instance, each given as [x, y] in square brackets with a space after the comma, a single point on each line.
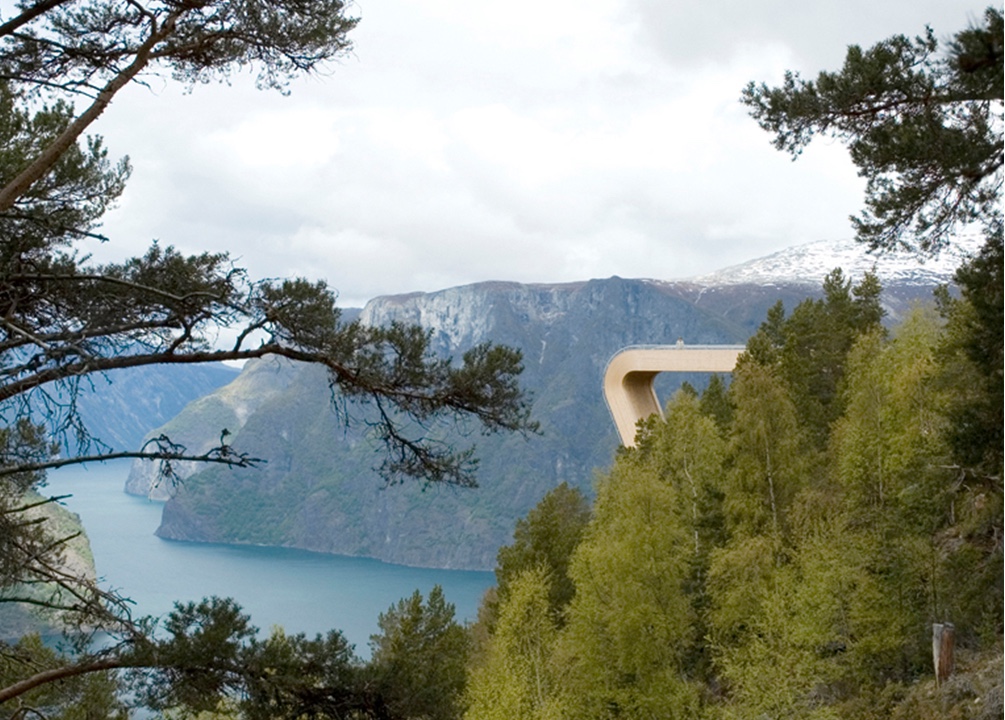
[808, 264]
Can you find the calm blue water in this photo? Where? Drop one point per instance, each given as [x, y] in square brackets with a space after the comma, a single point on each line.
[301, 591]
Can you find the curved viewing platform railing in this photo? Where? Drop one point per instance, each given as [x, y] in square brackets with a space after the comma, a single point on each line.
[628, 379]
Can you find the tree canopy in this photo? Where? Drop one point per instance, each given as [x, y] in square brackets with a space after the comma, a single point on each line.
[94, 48]
[777, 565]
[419, 658]
[845, 494]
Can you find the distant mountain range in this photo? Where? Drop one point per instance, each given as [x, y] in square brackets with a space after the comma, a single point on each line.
[318, 490]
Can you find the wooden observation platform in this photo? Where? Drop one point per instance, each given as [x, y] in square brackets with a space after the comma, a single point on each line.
[628, 380]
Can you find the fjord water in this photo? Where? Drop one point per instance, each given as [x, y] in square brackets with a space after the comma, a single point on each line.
[300, 591]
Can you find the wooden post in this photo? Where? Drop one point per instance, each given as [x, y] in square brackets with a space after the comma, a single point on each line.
[943, 644]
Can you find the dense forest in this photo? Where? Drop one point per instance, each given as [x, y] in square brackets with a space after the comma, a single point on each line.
[780, 548]
[800, 543]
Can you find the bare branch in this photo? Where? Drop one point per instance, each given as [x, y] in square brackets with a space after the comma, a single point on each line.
[62, 673]
[28, 15]
[111, 280]
[223, 455]
[29, 506]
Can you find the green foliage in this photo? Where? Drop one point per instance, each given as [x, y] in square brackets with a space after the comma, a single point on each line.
[517, 680]
[891, 440]
[792, 566]
[773, 669]
[778, 550]
[687, 452]
[289, 677]
[922, 125]
[75, 698]
[95, 48]
[391, 370]
[905, 528]
[787, 556]
[419, 658]
[632, 628]
[208, 659]
[70, 47]
[970, 360]
[915, 491]
[767, 462]
[808, 349]
[546, 538]
[715, 403]
[544, 541]
[973, 359]
[67, 320]
[69, 202]
[199, 661]
[46, 572]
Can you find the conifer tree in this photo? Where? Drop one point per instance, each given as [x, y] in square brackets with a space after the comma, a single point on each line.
[973, 356]
[546, 538]
[419, 657]
[65, 320]
[715, 403]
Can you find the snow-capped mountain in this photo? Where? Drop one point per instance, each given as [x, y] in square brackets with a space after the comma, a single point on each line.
[808, 264]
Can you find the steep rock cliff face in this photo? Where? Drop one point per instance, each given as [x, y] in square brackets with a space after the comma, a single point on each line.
[318, 490]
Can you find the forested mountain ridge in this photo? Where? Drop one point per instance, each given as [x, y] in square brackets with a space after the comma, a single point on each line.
[322, 495]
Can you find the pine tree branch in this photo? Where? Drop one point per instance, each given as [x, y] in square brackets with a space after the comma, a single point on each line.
[58, 147]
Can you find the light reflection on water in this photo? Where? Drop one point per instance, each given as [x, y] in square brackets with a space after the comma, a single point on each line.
[301, 591]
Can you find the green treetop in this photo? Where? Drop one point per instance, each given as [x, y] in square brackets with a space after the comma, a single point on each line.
[546, 538]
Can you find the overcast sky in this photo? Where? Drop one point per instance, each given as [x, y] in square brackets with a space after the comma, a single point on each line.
[469, 140]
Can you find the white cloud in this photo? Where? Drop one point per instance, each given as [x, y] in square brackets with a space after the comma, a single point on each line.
[472, 141]
[299, 138]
